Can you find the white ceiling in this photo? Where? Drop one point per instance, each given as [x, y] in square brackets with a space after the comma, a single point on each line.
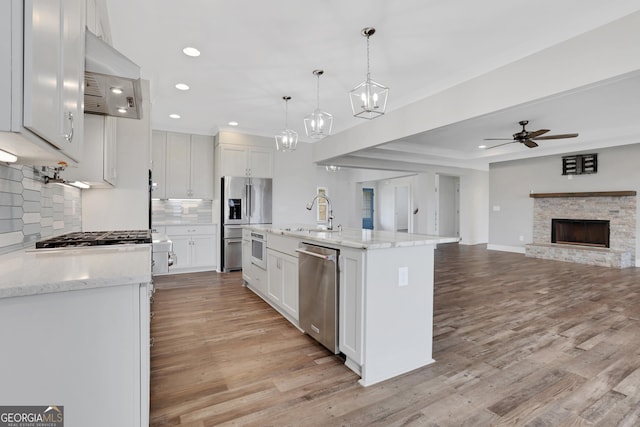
[254, 52]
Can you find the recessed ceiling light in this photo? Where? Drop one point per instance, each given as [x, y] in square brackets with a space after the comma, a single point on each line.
[233, 123]
[116, 90]
[191, 51]
[482, 146]
[122, 110]
[182, 86]
[174, 116]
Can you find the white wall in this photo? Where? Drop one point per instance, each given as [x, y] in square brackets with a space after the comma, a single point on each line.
[125, 206]
[296, 179]
[511, 182]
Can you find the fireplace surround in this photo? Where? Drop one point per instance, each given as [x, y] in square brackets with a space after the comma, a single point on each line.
[618, 208]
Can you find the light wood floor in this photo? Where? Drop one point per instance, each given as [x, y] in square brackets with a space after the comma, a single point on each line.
[518, 342]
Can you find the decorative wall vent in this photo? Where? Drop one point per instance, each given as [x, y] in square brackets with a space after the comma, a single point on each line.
[580, 164]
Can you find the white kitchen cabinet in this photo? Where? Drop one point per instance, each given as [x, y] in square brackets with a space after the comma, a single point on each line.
[282, 273]
[201, 167]
[240, 160]
[194, 247]
[98, 20]
[41, 79]
[182, 165]
[350, 308]
[85, 349]
[99, 158]
[282, 285]
[54, 72]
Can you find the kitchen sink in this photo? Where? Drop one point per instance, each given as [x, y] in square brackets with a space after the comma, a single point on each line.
[310, 230]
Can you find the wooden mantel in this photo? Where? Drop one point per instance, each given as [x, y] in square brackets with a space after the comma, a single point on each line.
[585, 194]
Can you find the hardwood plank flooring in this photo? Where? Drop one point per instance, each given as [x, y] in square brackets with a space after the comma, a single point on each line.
[517, 342]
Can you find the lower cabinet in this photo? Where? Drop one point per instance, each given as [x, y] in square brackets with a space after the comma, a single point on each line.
[282, 285]
[194, 248]
[87, 350]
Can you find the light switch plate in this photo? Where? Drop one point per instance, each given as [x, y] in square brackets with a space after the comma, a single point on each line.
[403, 276]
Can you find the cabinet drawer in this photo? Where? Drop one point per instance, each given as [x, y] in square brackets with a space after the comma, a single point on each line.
[287, 245]
[176, 230]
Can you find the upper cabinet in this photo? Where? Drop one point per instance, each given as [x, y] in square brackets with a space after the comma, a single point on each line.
[238, 160]
[41, 112]
[98, 167]
[182, 166]
[98, 20]
[244, 155]
[54, 72]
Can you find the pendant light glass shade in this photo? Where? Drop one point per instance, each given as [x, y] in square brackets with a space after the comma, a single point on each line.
[319, 123]
[287, 139]
[368, 99]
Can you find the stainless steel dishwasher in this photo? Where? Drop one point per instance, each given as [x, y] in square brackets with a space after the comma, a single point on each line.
[318, 293]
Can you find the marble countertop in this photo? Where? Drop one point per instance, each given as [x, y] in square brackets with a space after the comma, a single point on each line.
[31, 271]
[354, 238]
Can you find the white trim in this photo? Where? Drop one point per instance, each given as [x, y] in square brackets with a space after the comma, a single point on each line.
[504, 248]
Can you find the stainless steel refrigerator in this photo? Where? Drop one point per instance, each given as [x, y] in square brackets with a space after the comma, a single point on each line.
[244, 201]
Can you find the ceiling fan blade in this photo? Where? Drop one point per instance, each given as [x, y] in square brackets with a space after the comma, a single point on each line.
[499, 145]
[537, 133]
[498, 139]
[529, 143]
[561, 136]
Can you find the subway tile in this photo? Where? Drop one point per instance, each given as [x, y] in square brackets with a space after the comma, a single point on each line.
[11, 174]
[12, 187]
[10, 225]
[10, 212]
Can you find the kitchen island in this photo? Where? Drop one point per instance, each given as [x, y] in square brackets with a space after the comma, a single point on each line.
[385, 320]
[75, 332]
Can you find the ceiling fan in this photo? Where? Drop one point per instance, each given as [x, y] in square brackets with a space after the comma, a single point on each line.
[528, 138]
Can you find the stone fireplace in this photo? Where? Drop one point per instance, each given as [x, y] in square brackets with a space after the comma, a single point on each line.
[597, 228]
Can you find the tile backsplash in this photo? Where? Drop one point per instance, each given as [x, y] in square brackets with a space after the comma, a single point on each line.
[181, 211]
[31, 210]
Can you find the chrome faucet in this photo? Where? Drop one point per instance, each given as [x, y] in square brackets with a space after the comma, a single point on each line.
[322, 196]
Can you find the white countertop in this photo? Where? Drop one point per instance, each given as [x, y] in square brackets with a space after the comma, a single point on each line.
[354, 238]
[31, 271]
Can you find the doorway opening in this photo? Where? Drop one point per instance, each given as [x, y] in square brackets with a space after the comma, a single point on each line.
[448, 200]
[367, 208]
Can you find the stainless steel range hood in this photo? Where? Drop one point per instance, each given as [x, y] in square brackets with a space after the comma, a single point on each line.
[111, 81]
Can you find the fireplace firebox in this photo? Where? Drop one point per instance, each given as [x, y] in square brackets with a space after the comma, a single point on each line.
[585, 232]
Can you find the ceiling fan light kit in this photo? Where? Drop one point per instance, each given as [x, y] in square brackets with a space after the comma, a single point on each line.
[528, 138]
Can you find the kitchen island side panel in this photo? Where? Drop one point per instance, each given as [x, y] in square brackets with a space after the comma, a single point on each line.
[78, 349]
[398, 312]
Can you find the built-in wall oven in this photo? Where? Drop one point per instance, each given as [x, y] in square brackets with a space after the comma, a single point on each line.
[259, 250]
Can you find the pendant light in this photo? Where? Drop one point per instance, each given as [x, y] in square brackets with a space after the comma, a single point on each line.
[318, 124]
[286, 140]
[368, 99]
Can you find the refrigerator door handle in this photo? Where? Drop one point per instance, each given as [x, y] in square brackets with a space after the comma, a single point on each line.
[250, 202]
[247, 199]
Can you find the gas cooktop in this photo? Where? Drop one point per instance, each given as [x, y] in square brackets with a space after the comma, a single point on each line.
[96, 238]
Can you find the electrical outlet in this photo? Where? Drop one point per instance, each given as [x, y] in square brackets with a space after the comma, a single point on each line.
[403, 276]
[522, 238]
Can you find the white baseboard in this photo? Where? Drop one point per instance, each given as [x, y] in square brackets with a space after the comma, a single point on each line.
[504, 248]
